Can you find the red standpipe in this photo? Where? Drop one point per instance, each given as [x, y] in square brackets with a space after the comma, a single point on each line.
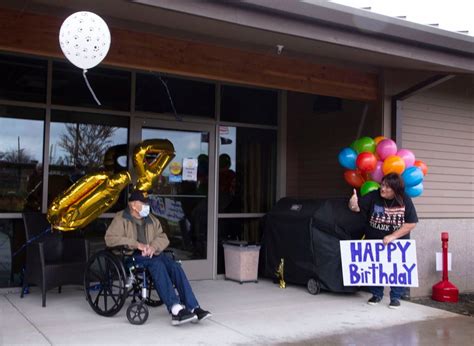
[445, 291]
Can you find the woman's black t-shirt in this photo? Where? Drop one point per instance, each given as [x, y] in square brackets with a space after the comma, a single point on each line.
[385, 216]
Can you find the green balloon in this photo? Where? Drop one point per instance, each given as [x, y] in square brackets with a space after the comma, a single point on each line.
[353, 146]
[364, 144]
[369, 186]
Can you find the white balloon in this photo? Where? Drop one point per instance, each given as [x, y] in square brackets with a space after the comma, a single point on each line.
[84, 38]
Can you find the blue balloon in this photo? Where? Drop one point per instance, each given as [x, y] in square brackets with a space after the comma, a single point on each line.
[347, 158]
[412, 176]
[414, 191]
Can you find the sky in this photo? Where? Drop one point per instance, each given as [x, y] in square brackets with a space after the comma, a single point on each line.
[452, 15]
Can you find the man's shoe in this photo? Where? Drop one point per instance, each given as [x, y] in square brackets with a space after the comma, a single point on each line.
[183, 316]
[201, 315]
[374, 300]
[394, 304]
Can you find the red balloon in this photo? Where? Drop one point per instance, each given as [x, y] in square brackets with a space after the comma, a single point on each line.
[420, 164]
[353, 178]
[365, 176]
[366, 162]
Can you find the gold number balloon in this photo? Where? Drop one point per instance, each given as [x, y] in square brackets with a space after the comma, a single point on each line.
[86, 199]
[95, 193]
[150, 158]
[111, 156]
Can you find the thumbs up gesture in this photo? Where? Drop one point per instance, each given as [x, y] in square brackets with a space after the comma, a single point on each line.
[354, 202]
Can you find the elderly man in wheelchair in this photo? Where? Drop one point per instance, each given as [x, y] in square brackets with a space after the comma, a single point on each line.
[110, 280]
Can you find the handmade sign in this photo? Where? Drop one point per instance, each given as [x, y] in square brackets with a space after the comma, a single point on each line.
[371, 263]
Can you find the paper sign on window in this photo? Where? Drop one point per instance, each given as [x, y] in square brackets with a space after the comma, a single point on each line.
[190, 169]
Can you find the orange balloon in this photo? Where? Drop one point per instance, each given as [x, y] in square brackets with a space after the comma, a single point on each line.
[378, 139]
[353, 178]
[393, 164]
[420, 164]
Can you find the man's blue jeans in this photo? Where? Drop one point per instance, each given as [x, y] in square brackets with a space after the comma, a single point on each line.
[168, 274]
[395, 292]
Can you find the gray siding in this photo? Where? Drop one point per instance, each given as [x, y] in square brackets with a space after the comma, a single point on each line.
[438, 126]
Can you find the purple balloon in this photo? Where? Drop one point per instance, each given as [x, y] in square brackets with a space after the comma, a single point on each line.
[377, 174]
[386, 148]
[407, 156]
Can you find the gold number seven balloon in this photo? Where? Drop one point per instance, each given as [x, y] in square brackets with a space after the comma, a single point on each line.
[95, 193]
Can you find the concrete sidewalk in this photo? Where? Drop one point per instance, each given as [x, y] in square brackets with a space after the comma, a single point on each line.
[242, 314]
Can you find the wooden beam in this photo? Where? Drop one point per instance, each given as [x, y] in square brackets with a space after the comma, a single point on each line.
[38, 34]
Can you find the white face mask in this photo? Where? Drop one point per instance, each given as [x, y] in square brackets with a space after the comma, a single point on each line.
[145, 210]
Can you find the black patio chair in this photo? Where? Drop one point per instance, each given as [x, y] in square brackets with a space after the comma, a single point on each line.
[52, 260]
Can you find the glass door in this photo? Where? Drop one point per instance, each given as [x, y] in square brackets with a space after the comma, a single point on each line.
[183, 197]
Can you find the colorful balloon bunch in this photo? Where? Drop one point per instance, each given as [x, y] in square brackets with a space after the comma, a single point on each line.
[368, 160]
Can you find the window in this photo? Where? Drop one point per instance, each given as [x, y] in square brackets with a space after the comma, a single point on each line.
[112, 87]
[78, 143]
[21, 158]
[247, 105]
[189, 97]
[247, 170]
[23, 79]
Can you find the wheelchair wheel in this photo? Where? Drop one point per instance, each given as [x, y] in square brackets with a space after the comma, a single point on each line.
[104, 283]
[137, 313]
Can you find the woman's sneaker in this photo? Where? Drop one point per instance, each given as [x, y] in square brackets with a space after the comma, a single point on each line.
[183, 316]
[374, 300]
[394, 304]
[201, 315]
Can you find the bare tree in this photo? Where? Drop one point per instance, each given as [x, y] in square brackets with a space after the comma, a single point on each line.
[17, 156]
[86, 143]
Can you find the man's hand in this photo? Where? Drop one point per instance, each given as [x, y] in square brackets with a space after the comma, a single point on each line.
[150, 250]
[147, 250]
[354, 202]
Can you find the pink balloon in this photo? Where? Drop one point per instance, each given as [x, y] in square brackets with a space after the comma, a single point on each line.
[377, 174]
[386, 148]
[407, 156]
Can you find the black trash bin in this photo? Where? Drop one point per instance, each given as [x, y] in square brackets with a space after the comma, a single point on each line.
[306, 234]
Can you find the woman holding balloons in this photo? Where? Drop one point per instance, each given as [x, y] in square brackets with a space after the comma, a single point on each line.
[391, 215]
[388, 178]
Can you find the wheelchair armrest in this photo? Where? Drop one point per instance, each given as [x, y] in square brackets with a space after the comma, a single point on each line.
[120, 250]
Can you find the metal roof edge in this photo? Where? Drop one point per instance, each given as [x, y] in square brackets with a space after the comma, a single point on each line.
[365, 22]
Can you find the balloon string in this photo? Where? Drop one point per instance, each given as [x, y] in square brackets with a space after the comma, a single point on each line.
[362, 120]
[90, 88]
[32, 240]
[177, 116]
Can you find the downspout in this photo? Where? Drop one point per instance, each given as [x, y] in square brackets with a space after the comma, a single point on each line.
[397, 102]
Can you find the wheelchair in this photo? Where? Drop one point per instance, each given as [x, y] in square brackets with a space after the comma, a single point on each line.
[111, 277]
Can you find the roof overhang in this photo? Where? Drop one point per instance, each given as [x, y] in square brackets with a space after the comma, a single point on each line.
[323, 32]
